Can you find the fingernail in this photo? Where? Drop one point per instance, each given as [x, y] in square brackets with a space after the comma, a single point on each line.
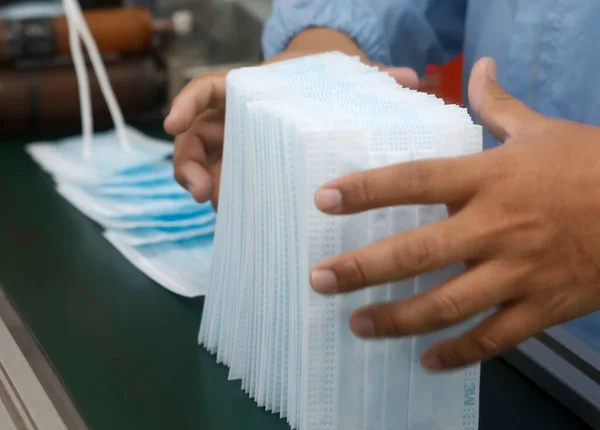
[324, 281]
[188, 186]
[431, 361]
[329, 200]
[363, 327]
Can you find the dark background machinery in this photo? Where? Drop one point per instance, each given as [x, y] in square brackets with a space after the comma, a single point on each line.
[150, 48]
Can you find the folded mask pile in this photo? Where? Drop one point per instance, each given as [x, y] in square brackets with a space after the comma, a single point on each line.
[291, 127]
[122, 180]
[146, 215]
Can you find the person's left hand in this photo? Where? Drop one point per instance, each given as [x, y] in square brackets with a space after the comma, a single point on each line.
[525, 216]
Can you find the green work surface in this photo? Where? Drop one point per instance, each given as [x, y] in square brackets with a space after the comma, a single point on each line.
[126, 349]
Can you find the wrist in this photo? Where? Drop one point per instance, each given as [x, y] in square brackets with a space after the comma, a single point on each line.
[317, 40]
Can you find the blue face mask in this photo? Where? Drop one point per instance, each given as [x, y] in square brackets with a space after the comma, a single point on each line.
[201, 216]
[156, 189]
[98, 206]
[147, 174]
[150, 236]
[66, 159]
[181, 267]
[134, 196]
[121, 179]
[31, 9]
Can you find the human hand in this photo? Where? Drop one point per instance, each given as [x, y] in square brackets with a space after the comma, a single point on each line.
[196, 120]
[198, 112]
[525, 216]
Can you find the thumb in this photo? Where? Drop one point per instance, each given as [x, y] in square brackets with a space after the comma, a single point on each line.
[405, 76]
[502, 114]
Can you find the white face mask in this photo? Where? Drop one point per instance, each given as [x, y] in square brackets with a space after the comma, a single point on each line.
[290, 127]
[122, 180]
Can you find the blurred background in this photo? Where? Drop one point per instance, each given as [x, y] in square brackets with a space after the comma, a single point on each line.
[151, 48]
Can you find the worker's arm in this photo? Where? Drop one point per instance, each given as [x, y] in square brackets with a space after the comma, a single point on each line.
[410, 33]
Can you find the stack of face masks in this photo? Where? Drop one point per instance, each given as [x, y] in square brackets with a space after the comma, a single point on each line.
[148, 217]
[291, 127]
[121, 180]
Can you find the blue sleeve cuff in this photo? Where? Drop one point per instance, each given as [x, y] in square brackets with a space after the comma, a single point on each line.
[354, 18]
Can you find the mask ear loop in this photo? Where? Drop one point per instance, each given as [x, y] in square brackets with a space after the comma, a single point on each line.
[83, 83]
[76, 15]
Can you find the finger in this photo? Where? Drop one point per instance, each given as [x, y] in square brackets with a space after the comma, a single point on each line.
[455, 301]
[211, 130]
[202, 93]
[190, 164]
[197, 181]
[495, 335]
[501, 113]
[400, 257]
[444, 180]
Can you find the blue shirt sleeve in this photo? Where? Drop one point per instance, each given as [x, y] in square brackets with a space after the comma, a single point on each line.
[410, 33]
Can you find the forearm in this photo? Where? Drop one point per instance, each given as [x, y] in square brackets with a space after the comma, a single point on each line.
[390, 32]
[317, 40]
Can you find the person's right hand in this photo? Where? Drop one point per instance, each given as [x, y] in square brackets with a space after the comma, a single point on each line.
[198, 112]
[197, 122]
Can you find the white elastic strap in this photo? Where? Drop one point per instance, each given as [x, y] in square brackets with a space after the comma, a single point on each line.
[92, 49]
[83, 83]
